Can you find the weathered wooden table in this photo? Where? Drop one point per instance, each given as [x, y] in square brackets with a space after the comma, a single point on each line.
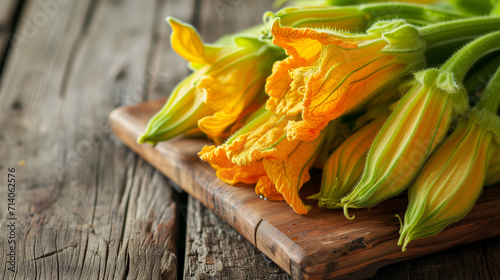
[84, 205]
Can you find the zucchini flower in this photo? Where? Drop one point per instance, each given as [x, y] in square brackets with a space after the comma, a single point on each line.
[345, 165]
[452, 180]
[227, 81]
[416, 127]
[261, 152]
[493, 170]
[330, 73]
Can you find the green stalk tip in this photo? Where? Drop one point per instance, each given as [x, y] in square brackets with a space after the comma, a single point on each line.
[346, 213]
[314, 196]
[142, 138]
[400, 224]
[405, 244]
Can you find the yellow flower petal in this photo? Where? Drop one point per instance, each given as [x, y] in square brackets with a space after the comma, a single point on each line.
[232, 84]
[261, 146]
[186, 42]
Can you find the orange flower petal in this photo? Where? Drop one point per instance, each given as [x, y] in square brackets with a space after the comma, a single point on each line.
[259, 143]
[285, 96]
[229, 172]
[289, 169]
[266, 188]
[328, 98]
[330, 73]
[304, 43]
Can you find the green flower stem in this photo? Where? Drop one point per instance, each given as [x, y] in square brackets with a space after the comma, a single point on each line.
[459, 30]
[361, 15]
[413, 13]
[490, 100]
[496, 9]
[463, 60]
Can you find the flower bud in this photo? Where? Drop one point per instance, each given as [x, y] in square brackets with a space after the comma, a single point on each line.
[452, 179]
[345, 165]
[414, 129]
[228, 81]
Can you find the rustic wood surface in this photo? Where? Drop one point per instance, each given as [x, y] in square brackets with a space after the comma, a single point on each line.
[322, 243]
[8, 13]
[89, 208]
[215, 250]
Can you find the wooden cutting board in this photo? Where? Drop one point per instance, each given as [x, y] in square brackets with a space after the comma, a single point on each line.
[320, 245]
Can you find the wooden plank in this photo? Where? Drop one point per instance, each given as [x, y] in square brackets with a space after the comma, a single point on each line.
[320, 244]
[87, 207]
[7, 17]
[167, 68]
[492, 256]
[220, 17]
[465, 262]
[6, 11]
[215, 250]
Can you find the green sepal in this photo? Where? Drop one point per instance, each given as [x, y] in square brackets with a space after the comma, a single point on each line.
[488, 121]
[447, 83]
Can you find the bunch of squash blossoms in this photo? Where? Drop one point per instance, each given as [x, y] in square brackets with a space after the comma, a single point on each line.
[376, 95]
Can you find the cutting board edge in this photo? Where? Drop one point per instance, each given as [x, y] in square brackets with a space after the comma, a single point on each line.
[296, 256]
[117, 119]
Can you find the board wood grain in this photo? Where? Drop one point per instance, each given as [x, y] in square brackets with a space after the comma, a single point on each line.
[321, 244]
[86, 206]
[216, 251]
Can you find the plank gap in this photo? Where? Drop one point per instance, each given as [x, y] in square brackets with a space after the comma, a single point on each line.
[154, 50]
[181, 199]
[195, 21]
[76, 46]
[9, 29]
